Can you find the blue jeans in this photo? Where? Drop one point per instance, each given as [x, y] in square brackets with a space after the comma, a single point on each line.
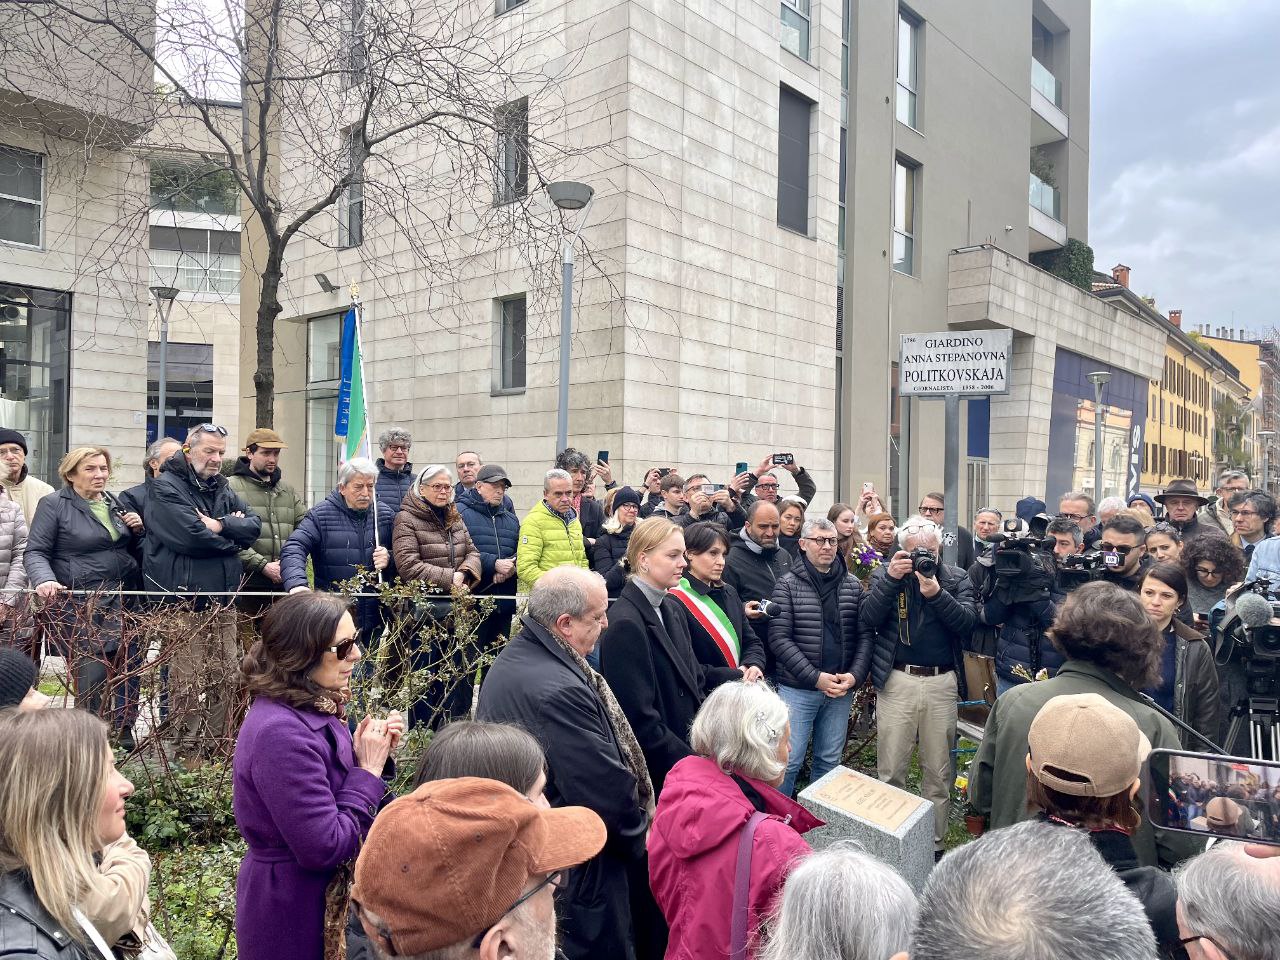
[826, 720]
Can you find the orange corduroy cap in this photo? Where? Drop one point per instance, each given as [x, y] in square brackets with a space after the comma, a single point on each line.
[445, 862]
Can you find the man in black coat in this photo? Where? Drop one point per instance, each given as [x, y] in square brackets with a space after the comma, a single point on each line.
[196, 527]
[756, 563]
[822, 651]
[540, 683]
[921, 624]
[716, 506]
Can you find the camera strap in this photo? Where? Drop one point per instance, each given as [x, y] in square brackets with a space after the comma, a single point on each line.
[904, 625]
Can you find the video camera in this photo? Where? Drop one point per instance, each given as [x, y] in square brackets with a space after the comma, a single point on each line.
[1016, 546]
[1247, 626]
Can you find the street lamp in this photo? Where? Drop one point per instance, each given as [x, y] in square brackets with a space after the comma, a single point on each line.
[567, 195]
[1265, 436]
[1099, 380]
[164, 297]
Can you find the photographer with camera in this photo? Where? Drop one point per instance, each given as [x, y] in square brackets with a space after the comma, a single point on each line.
[1123, 546]
[713, 502]
[756, 563]
[922, 613]
[1018, 591]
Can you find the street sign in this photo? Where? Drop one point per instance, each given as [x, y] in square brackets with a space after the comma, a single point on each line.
[955, 363]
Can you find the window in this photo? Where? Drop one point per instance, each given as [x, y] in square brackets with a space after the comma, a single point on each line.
[193, 188]
[188, 388]
[504, 5]
[197, 261]
[511, 344]
[794, 118]
[795, 27]
[908, 67]
[21, 196]
[512, 122]
[904, 217]
[356, 53]
[324, 344]
[35, 353]
[351, 202]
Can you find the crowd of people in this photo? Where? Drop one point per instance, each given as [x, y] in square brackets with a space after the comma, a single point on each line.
[684, 658]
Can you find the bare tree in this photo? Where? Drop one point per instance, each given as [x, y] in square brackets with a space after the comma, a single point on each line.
[438, 124]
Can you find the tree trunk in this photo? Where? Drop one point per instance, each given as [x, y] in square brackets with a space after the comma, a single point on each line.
[264, 377]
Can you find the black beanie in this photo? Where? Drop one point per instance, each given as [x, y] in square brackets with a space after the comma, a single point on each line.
[626, 495]
[17, 677]
[13, 436]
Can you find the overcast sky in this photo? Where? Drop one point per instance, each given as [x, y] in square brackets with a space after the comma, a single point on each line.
[1185, 154]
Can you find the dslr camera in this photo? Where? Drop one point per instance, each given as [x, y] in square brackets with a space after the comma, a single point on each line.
[924, 562]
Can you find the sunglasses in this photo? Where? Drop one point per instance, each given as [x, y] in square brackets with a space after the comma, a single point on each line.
[342, 650]
[1112, 548]
[1208, 571]
[210, 428]
[555, 880]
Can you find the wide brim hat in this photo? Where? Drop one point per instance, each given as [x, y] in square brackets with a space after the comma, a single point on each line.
[1181, 488]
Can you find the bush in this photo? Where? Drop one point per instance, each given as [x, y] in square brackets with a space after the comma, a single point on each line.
[1073, 263]
[171, 807]
[193, 899]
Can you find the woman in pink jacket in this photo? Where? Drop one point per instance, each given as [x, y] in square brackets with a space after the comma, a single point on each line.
[740, 742]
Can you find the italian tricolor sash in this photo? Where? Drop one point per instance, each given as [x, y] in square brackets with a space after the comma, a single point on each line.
[712, 619]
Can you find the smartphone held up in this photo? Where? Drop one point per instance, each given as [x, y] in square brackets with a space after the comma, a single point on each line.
[1236, 798]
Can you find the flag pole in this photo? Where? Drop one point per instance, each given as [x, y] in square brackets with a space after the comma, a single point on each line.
[358, 306]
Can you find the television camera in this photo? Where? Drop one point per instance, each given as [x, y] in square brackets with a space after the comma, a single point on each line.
[1246, 630]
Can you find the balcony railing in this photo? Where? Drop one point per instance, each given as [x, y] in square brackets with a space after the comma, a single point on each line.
[1046, 199]
[1043, 81]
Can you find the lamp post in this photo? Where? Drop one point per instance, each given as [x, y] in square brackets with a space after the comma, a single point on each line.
[1265, 436]
[164, 297]
[567, 195]
[1099, 380]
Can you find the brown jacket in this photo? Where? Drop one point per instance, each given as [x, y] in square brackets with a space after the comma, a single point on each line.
[426, 550]
[117, 903]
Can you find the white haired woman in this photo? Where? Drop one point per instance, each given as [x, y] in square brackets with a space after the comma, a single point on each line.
[430, 542]
[842, 904]
[740, 741]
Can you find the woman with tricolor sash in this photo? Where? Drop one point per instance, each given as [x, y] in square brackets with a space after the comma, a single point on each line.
[714, 611]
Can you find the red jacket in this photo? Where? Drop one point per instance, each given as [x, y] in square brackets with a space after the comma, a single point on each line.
[693, 855]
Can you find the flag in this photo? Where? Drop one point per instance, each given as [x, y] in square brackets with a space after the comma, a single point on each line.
[350, 425]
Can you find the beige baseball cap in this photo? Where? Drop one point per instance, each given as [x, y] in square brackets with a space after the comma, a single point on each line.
[1083, 746]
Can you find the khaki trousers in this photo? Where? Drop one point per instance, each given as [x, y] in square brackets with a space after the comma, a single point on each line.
[918, 709]
[204, 659]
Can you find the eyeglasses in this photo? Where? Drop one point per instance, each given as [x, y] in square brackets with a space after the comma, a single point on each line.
[1244, 513]
[823, 541]
[1185, 940]
[210, 428]
[342, 650]
[1077, 517]
[766, 486]
[912, 529]
[932, 509]
[438, 486]
[1207, 571]
[555, 880]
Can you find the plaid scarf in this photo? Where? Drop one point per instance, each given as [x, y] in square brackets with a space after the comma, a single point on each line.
[632, 755]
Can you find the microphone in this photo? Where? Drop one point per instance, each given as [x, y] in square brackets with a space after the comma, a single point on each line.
[1254, 611]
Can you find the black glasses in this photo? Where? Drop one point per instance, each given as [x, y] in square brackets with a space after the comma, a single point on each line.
[823, 541]
[932, 509]
[1185, 940]
[1112, 548]
[210, 428]
[1208, 571]
[343, 649]
[556, 880]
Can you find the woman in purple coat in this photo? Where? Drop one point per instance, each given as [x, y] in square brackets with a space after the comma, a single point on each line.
[305, 790]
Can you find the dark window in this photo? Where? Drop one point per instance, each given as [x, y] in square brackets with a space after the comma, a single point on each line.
[21, 196]
[512, 122]
[35, 352]
[351, 203]
[188, 388]
[794, 118]
[513, 344]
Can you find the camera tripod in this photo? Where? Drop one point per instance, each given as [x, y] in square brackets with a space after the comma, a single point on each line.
[1263, 717]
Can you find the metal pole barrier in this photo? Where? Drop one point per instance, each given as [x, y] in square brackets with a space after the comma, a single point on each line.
[951, 479]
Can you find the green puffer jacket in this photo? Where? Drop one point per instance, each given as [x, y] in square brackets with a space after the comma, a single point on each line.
[280, 508]
[547, 540]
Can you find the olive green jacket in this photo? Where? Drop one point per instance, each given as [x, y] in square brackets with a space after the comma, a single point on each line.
[281, 509]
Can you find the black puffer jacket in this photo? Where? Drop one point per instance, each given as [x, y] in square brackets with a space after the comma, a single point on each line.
[70, 546]
[182, 554]
[795, 633]
[950, 611]
[27, 932]
[609, 550]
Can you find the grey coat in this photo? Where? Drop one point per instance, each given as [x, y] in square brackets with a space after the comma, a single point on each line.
[13, 548]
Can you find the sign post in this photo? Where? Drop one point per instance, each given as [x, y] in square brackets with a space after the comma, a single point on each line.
[950, 365]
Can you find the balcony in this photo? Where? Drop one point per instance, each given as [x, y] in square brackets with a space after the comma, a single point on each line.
[1048, 120]
[1044, 216]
